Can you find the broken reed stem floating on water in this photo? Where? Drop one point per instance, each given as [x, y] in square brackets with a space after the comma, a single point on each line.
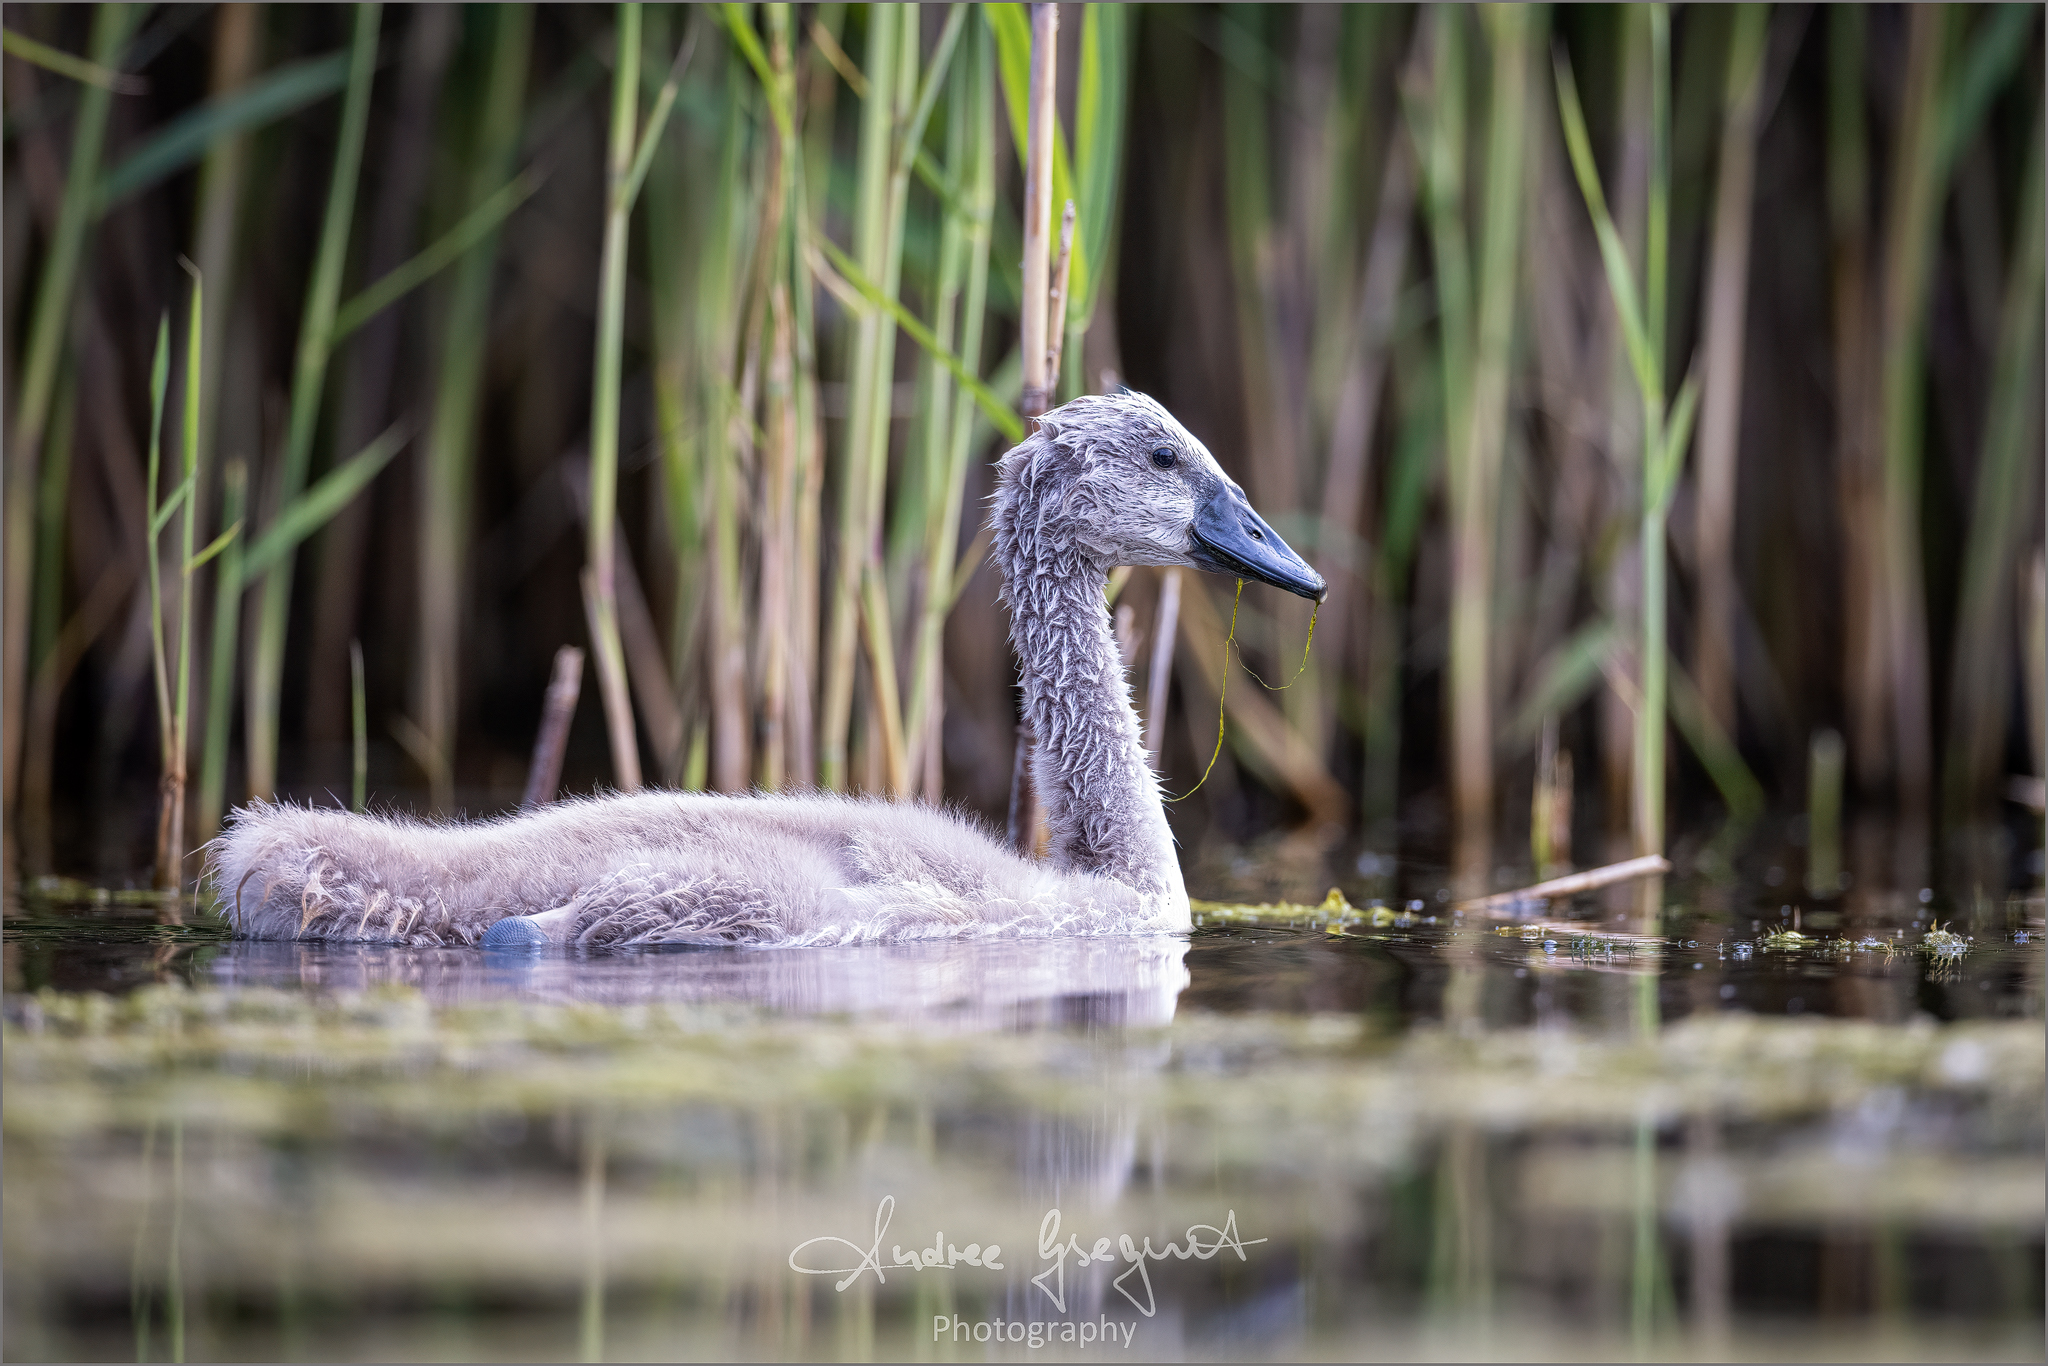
[1649, 865]
[544, 776]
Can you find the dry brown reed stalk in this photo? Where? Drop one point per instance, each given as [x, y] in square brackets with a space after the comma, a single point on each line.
[1041, 128]
[1476, 325]
[1721, 398]
[1034, 346]
[1348, 465]
[235, 43]
[544, 773]
[777, 515]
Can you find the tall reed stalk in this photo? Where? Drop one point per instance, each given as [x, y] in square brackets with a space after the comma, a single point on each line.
[1721, 400]
[1476, 326]
[171, 831]
[807, 475]
[728, 351]
[447, 464]
[1913, 217]
[227, 609]
[630, 152]
[675, 299]
[48, 330]
[2008, 491]
[600, 592]
[949, 431]
[159, 382]
[873, 250]
[780, 642]
[898, 103]
[1667, 426]
[309, 378]
[1041, 138]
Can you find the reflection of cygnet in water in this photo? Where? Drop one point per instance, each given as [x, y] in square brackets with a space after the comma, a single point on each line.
[970, 984]
[1103, 482]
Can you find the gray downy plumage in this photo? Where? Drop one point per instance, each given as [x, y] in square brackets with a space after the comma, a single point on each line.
[1103, 482]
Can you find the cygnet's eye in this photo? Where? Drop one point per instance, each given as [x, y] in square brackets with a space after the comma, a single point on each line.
[1163, 457]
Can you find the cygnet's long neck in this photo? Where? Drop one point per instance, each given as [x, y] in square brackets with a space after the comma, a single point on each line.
[1101, 796]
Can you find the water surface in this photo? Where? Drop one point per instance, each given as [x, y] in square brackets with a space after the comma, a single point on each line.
[1781, 1126]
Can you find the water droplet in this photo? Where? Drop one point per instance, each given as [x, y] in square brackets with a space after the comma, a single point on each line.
[1550, 946]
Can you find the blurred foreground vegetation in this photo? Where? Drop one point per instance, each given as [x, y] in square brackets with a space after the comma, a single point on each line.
[257, 1171]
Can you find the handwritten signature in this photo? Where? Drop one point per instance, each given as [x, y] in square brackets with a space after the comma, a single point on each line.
[1203, 1242]
[1050, 1248]
[940, 1256]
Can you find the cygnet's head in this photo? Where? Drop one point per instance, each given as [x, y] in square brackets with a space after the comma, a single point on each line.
[1118, 479]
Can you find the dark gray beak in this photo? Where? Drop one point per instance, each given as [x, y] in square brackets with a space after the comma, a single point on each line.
[1232, 539]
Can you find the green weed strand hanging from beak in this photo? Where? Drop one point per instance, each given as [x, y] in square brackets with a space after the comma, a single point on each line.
[1230, 646]
[1304, 650]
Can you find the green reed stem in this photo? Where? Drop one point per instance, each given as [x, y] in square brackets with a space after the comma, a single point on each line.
[2007, 487]
[220, 678]
[53, 494]
[872, 248]
[309, 377]
[159, 383]
[970, 153]
[48, 325]
[447, 471]
[359, 716]
[1667, 428]
[600, 594]
[171, 836]
[808, 472]
[1912, 228]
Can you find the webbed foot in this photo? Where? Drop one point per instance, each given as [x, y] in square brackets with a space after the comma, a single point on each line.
[514, 934]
